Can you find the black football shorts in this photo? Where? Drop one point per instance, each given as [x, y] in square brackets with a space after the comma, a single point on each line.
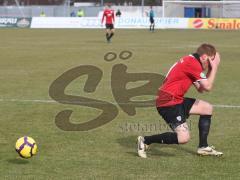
[151, 20]
[177, 114]
[109, 26]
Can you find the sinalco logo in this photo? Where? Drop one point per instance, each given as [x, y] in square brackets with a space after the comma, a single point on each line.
[198, 23]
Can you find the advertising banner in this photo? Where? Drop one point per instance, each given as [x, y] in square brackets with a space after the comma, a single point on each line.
[12, 22]
[214, 23]
[94, 22]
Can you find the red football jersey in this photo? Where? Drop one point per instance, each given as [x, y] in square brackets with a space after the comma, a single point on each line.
[109, 15]
[178, 80]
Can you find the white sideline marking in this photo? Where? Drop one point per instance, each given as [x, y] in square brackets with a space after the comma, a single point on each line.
[226, 106]
[52, 101]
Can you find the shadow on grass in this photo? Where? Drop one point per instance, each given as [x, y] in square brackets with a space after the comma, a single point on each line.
[129, 143]
[185, 149]
[97, 42]
[18, 161]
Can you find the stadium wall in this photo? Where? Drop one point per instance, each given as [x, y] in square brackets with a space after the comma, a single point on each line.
[65, 11]
[175, 10]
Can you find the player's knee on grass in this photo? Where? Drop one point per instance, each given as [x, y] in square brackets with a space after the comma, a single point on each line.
[183, 137]
[183, 133]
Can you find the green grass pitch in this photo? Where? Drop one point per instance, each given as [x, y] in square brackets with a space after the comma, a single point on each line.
[31, 59]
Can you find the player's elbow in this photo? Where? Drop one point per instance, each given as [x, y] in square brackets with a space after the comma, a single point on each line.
[206, 86]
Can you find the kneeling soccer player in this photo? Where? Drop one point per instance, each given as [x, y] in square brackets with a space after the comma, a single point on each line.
[175, 108]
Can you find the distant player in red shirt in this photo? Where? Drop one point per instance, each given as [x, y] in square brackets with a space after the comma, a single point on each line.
[175, 108]
[108, 15]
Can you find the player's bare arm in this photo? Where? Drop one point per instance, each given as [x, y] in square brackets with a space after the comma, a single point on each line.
[207, 84]
[198, 87]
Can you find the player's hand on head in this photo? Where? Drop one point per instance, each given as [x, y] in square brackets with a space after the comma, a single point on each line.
[217, 58]
[216, 61]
